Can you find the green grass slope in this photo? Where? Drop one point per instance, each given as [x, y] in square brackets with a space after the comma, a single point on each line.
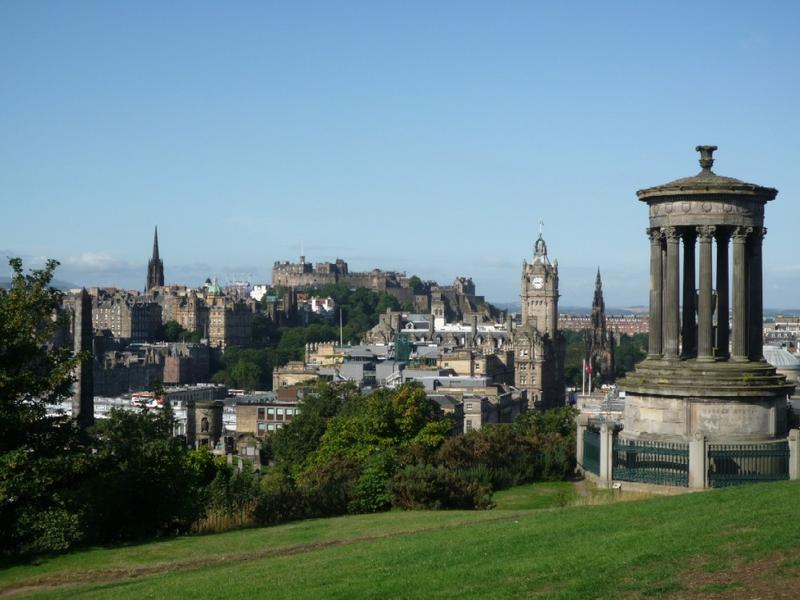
[692, 545]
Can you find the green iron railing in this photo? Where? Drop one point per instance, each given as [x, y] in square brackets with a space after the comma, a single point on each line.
[736, 464]
[662, 463]
[591, 450]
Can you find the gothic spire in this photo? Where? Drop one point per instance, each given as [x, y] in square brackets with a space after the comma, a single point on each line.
[597, 281]
[155, 244]
[155, 267]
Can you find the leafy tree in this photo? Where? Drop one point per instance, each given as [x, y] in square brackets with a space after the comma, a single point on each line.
[384, 419]
[629, 351]
[292, 444]
[172, 331]
[34, 371]
[415, 283]
[41, 457]
[141, 486]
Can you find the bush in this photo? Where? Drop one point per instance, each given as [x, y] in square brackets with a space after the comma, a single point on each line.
[498, 455]
[419, 487]
[280, 499]
[330, 486]
[373, 491]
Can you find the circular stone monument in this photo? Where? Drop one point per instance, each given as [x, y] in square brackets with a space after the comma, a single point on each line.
[705, 373]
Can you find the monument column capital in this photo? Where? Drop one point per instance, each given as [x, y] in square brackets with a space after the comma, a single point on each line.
[655, 234]
[706, 232]
[740, 234]
[672, 234]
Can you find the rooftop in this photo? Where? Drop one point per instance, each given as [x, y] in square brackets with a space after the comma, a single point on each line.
[708, 182]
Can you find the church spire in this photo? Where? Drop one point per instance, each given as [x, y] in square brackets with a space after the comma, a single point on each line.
[598, 283]
[155, 267]
[155, 244]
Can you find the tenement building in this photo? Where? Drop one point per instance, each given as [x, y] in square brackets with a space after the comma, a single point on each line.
[538, 345]
[704, 408]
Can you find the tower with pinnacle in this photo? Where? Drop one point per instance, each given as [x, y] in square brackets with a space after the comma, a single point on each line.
[538, 345]
[600, 342]
[155, 268]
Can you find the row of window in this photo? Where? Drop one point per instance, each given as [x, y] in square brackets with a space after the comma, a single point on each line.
[264, 427]
[274, 412]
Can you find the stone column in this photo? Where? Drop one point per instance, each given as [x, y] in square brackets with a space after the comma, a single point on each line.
[688, 327]
[740, 292]
[656, 277]
[671, 292]
[705, 307]
[723, 303]
[698, 461]
[755, 319]
[794, 454]
[606, 454]
[582, 421]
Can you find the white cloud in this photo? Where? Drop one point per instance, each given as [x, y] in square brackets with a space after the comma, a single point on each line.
[95, 261]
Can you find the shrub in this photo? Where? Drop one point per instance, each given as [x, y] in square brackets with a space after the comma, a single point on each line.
[280, 499]
[427, 487]
[498, 455]
[330, 486]
[373, 491]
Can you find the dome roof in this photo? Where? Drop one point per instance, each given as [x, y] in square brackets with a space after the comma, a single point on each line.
[214, 288]
[781, 358]
[708, 182]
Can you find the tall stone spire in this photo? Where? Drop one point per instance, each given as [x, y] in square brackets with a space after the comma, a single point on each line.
[600, 347]
[155, 267]
[155, 244]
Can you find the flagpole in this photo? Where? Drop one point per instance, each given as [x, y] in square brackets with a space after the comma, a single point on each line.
[583, 377]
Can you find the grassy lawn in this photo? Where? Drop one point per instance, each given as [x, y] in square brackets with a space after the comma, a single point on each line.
[699, 545]
[548, 494]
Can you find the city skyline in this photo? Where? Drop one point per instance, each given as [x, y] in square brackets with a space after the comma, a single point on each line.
[422, 139]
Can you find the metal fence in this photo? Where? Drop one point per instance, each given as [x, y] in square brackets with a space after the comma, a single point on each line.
[662, 463]
[591, 450]
[735, 464]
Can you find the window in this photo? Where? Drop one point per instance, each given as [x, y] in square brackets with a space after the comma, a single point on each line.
[261, 414]
[271, 427]
[469, 405]
[469, 424]
[271, 412]
[262, 427]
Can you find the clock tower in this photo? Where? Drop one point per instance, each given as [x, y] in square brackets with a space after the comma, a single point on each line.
[538, 345]
[539, 293]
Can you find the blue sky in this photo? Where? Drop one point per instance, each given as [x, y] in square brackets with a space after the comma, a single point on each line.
[426, 137]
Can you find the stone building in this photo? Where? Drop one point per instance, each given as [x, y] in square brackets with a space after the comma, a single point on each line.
[263, 413]
[230, 321]
[129, 316]
[305, 274]
[538, 345]
[293, 373]
[600, 341]
[155, 267]
[701, 377]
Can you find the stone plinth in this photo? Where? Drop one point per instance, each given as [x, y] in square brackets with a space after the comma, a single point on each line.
[724, 401]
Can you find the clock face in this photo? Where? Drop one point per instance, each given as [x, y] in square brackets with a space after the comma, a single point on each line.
[538, 283]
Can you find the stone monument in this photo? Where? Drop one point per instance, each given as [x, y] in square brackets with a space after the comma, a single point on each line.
[705, 373]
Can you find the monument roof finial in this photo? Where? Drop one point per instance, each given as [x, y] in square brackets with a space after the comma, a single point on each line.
[706, 156]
